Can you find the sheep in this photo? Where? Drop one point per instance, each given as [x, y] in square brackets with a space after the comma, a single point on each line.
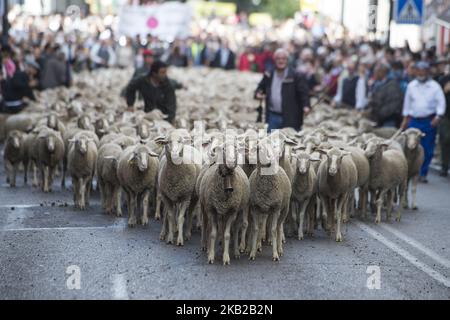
[82, 159]
[108, 182]
[270, 194]
[101, 127]
[303, 189]
[13, 155]
[224, 195]
[388, 171]
[363, 171]
[414, 153]
[21, 122]
[337, 178]
[50, 154]
[136, 171]
[177, 177]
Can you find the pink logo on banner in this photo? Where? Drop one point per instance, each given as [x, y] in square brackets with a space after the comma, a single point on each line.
[152, 23]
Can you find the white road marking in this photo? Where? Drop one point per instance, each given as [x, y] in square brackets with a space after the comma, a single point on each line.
[433, 255]
[23, 206]
[405, 254]
[119, 287]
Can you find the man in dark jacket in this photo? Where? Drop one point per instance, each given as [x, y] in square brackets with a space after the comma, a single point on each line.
[54, 72]
[286, 94]
[14, 90]
[386, 100]
[224, 58]
[156, 90]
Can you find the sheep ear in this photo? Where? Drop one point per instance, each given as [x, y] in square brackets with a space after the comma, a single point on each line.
[111, 158]
[290, 142]
[299, 147]
[131, 157]
[161, 140]
[153, 154]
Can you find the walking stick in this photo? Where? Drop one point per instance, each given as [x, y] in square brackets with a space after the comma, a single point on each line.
[260, 111]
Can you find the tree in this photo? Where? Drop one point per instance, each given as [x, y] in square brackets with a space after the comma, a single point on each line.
[279, 9]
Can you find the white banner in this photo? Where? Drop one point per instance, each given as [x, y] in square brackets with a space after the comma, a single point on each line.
[168, 21]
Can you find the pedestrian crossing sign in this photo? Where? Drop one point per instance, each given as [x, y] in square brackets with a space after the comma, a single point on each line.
[409, 11]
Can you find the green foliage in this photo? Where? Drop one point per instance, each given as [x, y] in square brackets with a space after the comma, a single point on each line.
[279, 9]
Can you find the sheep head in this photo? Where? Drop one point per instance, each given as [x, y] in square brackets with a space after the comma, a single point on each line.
[81, 143]
[304, 160]
[334, 159]
[15, 139]
[413, 137]
[374, 148]
[140, 157]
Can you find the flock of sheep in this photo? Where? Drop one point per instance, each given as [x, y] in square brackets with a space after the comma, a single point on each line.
[224, 174]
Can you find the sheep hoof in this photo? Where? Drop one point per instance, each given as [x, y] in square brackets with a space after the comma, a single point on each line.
[187, 237]
[276, 258]
[180, 243]
[377, 221]
[415, 208]
[131, 224]
[210, 260]
[226, 261]
[339, 238]
[251, 258]
[204, 249]
[300, 237]
[157, 218]
[241, 250]
[144, 221]
[118, 214]
[237, 256]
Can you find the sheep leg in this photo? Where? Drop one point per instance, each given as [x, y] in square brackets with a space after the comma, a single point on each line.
[9, 169]
[117, 196]
[88, 190]
[363, 194]
[390, 201]
[263, 233]
[103, 196]
[280, 225]
[162, 235]
[414, 192]
[226, 239]
[244, 230]
[106, 193]
[63, 179]
[255, 234]
[402, 191]
[204, 228]
[312, 216]
[318, 212]
[379, 203]
[180, 221]
[82, 190]
[158, 206]
[274, 225]
[12, 181]
[339, 206]
[406, 202]
[212, 238]
[45, 175]
[145, 202]
[25, 172]
[75, 192]
[34, 183]
[303, 207]
[51, 174]
[190, 217]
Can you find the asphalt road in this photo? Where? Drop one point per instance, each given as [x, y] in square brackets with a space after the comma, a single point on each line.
[45, 244]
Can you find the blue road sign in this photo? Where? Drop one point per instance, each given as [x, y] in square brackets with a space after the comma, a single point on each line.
[409, 11]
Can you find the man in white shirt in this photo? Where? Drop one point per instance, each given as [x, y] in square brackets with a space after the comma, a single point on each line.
[423, 107]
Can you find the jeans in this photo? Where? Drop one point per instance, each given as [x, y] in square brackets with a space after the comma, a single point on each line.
[428, 142]
[275, 121]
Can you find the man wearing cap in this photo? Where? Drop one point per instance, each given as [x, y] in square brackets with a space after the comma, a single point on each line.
[156, 90]
[423, 108]
[148, 61]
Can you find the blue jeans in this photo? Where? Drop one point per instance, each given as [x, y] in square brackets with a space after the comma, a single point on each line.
[428, 142]
[275, 121]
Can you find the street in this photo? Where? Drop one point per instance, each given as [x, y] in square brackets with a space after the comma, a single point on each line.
[43, 239]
